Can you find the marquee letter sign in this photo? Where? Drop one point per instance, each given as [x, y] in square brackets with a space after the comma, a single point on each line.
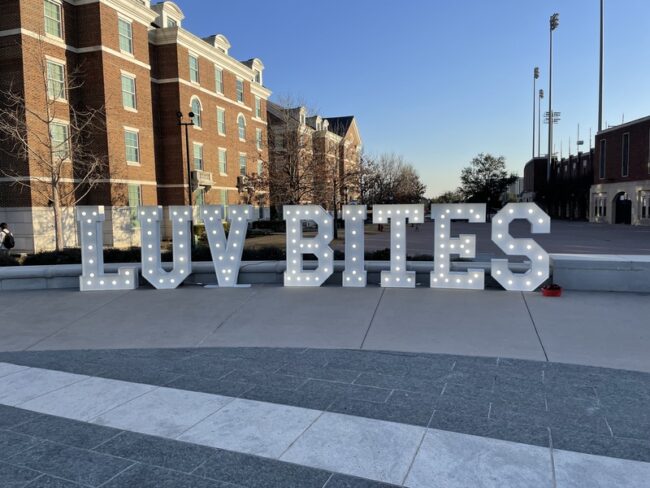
[463, 246]
[540, 224]
[354, 274]
[398, 216]
[181, 217]
[298, 246]
[226, 254]
[93, 278]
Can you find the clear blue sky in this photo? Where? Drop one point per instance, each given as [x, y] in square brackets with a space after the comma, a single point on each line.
[439, 81]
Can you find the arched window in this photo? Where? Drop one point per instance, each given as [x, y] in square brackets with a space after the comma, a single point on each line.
[241, 123]
[196, 108]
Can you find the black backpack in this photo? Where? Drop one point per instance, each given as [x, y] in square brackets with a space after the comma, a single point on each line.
[9, 242]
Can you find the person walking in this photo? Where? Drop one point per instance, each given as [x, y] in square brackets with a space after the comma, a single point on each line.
[7, 241]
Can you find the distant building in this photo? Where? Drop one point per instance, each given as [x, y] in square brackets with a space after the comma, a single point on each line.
[535, 182]
[621, 186]
[514, 191]
[312, 159]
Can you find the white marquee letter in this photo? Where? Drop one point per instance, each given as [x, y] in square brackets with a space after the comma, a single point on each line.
[463, 246]
[226, 254]
[93, 278]
[297, 245]
[540, 224]
[398, 215]
[354, 273]
[150, 217]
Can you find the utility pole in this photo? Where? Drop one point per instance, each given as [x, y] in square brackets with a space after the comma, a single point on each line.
[554, 22]
[539, 122]
[535, 77]
[602, 65]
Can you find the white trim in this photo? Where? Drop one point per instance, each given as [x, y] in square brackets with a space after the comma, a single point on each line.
[223, 110]
[132, 129]
[55, 60]
[259, 121]
[201, 89]
[47, 179]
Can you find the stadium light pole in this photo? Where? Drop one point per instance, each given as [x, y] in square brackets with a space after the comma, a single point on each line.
[539, 122]
[602, 65]
[554, 22]
[535, 77]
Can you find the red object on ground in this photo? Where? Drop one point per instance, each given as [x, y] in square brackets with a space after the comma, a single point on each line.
[552, 291]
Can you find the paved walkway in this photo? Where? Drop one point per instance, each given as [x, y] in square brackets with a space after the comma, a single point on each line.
[323, 388]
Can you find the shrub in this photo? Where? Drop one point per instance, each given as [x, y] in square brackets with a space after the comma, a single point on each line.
[258, 232]
[44, 258]
[278, 226]
[8, 260]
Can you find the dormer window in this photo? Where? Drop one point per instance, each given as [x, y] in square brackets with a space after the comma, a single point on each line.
[171, 22]
[302, 119]
[258, 76]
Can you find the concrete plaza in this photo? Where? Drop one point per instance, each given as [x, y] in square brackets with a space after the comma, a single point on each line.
[325, 388]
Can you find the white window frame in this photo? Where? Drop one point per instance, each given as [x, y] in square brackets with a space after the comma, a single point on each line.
[132, 77]
[258, 107]
[59, 6]
[136, 131]
[59, 62]
[222, 111]
[240, 116]
[260, 167]
[120, 36]
[239, 93]
[224, 151]
[195, 146]
[68, 148]
[258, 138]
[198, 117]
[135, 222]
[218, 80]
[644, 204]
[196, 57]
[243, 155]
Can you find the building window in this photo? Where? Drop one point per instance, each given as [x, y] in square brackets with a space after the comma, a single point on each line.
[260, 167]
[241, 124]
[242, 164]
[218, 76]
[224, 202]
[258, 76]
[55, 81]
[198, 156]
[132, 144]
[223, 161]
[603, 160]
[194, 69]
[171, 22]
[240, 90]
[600, 206]
[60, 140]
[258, 139]
[196, 108]
[258, 107]
[125, 30]
[128, 92]
[625, 160]
[645, 205]
[221, 121]
[200, 197]
[135, 200]
[53, 20]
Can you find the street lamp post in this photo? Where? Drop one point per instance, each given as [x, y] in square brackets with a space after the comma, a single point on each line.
[602, 67]
[539, 122]
[554, 22]
[179, 115]
[535, 77]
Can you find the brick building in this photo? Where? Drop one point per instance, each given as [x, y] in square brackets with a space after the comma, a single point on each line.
[133, 62]
[313, 159]
[621, 186]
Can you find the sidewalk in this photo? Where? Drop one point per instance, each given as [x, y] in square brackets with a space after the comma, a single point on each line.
[598, 329]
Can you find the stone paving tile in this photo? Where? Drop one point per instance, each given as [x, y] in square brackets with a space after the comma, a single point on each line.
[15, 476]
[46, 481]
[315, 400]
[66, 431]
[256, 472]
[575, 470]
[273, 380]
[211, 385]
[602, 445]
[30, 383]
[143, 476]
[459, 398]
[343, 481]
[73, 464]
[148, 376]
[433, 383]
[320, 373]
[523, 432]
[12, 416]
[157, 451]
[206, 366]
[12, 443]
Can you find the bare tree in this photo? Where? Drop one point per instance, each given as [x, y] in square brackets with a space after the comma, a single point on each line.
[50, 140]
[389, 179]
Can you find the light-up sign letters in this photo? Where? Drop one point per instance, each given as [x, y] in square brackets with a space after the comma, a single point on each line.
[93, 278]
[310, 230]
[298, 245]
[226, 254]
[464, 246]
